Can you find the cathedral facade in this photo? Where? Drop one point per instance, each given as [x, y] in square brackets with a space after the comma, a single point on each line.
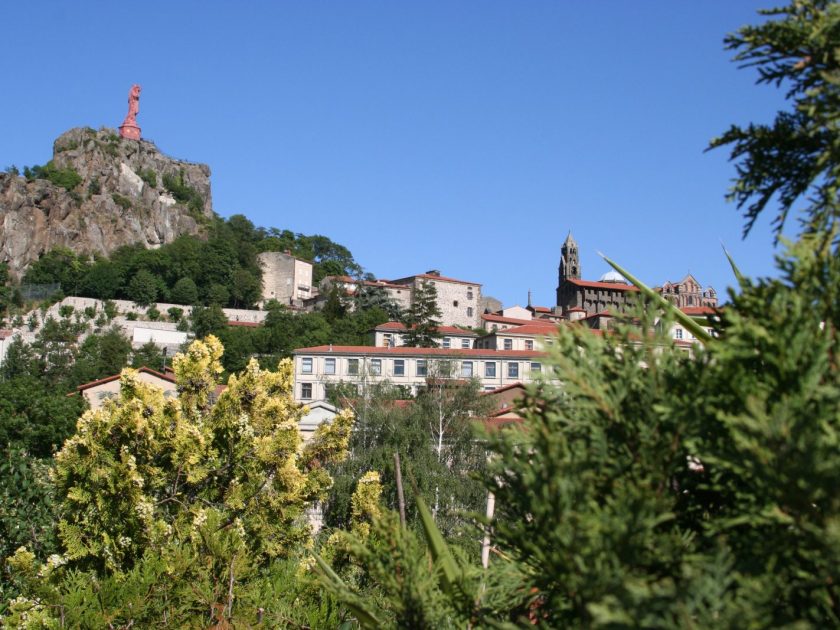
[612, 291]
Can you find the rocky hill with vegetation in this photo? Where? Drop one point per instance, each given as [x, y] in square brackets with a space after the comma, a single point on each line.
[98, 193]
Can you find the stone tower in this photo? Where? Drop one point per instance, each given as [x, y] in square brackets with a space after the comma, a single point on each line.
[569, 260]
[569, 264]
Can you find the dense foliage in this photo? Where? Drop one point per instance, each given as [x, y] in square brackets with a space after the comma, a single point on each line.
[185, 497]
[222, 269]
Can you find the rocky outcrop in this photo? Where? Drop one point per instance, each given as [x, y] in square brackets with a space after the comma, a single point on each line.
[126, 192]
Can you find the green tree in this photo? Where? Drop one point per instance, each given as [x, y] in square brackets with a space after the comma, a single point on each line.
[36, 417]
[185, 291]
[102, 280]
[144, 471]
[421, 319]
[796, 156]
[217, 294]
[208, 320]
[246, 288]
[57, 265]
[105, 354]
[148, 355]
[144, 288]
[434, 435]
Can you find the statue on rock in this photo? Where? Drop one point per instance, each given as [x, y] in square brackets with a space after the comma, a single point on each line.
[129, 128]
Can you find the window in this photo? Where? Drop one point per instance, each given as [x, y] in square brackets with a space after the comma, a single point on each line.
[469, 293]
[376, 367]
[306, 365]
[455, 303]
[388, 340]
[678, 333]
[329, 366]
[529, 344]
[490, 369]
[422, 368]
[465, 343]
[447, 342]
[353, 367]
[466, 369]
[306, 391]
[513, 370]
[536, 368]
[469, 311]
[399, 367]
[508, 344]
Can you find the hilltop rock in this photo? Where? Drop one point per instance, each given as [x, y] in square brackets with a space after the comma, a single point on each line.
[98, 193]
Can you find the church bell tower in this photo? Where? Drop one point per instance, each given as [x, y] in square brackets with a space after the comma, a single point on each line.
[569, 265]
[569, 260]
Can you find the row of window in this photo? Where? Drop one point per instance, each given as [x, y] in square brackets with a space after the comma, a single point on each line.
[421, 367]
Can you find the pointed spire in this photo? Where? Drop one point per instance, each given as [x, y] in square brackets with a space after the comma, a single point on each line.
[570, 240]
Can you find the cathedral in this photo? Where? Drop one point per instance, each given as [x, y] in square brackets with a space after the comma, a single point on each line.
[612, 291]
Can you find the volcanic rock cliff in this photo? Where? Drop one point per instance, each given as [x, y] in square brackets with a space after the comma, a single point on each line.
[98, 193]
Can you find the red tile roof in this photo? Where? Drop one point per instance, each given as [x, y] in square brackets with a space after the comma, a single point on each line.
[499, 390]
[695, 311]
[108, 379]
[446, 330]
[600, 314]
[431, 352]
[606, 286]
[488, 317]
[541, 309]
[529, 330]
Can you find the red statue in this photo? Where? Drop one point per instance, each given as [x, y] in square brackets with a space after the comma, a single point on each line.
[129, 128]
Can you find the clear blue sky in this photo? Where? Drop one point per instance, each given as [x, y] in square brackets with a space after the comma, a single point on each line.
[464, 136]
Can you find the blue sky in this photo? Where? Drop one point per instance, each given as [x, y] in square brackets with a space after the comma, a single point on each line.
[468, 137]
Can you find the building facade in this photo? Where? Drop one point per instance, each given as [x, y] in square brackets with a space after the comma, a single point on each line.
[459, 301]
[320, 367]
[687, 293]
[285, 278]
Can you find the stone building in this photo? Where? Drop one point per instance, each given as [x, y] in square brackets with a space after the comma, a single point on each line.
[688, 293]
[285, 278]
[610, 292]
[459, 301]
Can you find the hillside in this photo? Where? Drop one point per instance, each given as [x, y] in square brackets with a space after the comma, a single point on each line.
[100, 192]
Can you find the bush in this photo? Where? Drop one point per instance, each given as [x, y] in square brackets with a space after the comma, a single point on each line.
[67, 178]
[184, 193]
[90, 312]
[110, 309]
[175, 313]
[131, 316]
[122, 202]
[153, 314]
[149, 176]
[65, 310]
[94, 188]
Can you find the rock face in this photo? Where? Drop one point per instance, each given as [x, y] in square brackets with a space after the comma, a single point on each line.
[127, 192]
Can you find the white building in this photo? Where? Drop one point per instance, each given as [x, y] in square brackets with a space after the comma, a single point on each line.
[320, 367]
